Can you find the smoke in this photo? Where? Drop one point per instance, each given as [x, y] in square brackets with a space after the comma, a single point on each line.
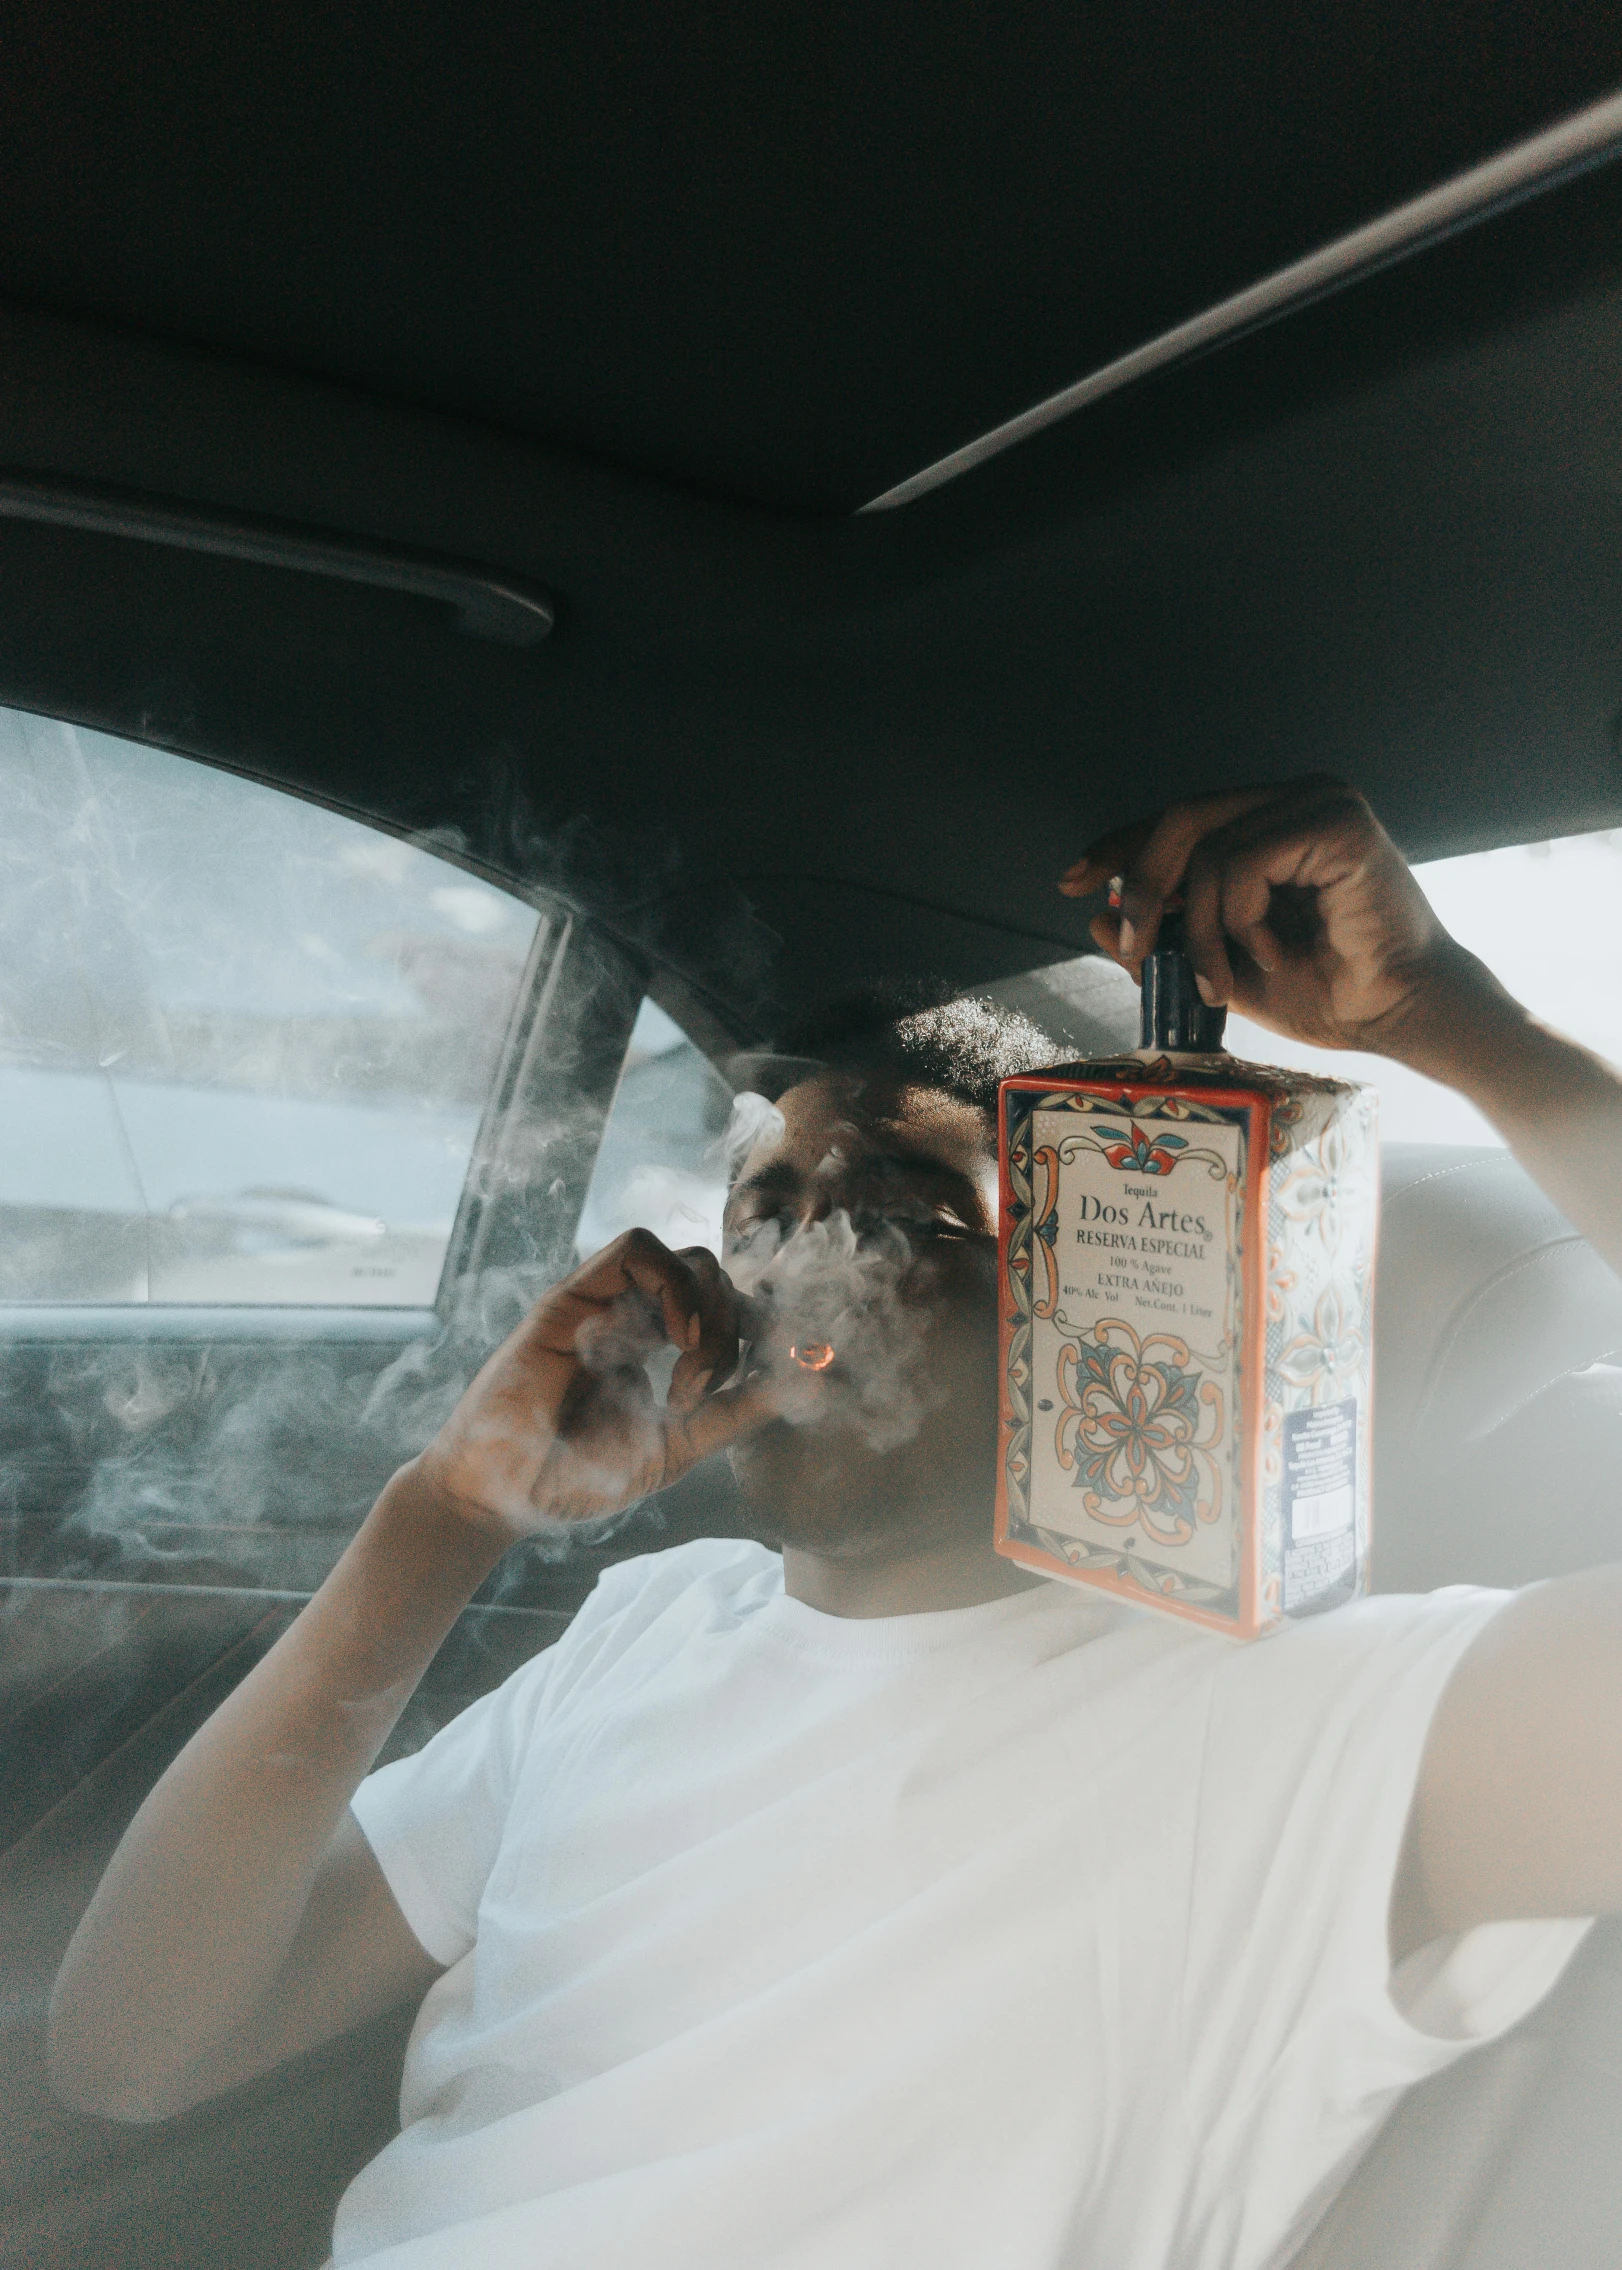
[412, 1399]
[244, 1046]
[245, 1463]
[824, 1287]
[218, 1464]
[753, 1120]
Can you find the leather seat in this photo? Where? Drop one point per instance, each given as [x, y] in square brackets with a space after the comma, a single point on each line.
[1497, 1412]
[1498, 1425]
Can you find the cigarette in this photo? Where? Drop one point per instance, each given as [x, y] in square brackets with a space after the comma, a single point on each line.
[755, 1319]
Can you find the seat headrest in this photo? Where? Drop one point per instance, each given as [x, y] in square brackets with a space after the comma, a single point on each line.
[1484, 1293]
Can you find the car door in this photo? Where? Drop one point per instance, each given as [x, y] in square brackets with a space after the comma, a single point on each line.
[296, 1118]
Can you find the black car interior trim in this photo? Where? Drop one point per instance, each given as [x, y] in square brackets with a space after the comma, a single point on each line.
[1593, 137]
[554, 1086]
[487, 605]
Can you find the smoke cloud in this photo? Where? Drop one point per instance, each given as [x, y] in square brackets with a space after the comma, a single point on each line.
[825, 1287]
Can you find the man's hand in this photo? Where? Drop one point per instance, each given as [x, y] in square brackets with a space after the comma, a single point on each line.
[1298, 909]
[243, 1917]
[562, 1423]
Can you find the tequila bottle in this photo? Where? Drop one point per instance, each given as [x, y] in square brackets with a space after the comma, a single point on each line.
[1187, 1280]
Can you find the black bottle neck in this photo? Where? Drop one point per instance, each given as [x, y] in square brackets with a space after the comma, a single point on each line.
[1174, 1016]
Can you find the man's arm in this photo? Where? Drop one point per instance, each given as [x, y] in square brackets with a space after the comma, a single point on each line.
[1300, 911]
[1518, 1808]
[243, 1917]
[1557, 1106]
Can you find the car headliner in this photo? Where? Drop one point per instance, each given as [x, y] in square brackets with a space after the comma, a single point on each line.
[642, 303]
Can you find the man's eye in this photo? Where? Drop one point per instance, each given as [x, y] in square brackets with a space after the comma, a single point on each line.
[760, 1229]
[921, 1223]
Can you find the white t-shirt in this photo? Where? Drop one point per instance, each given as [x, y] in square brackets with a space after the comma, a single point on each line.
[1042, 1933]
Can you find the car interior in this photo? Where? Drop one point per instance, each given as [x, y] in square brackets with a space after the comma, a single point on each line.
[538, 547]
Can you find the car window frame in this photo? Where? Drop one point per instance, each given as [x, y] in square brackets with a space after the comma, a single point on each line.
[571, 1017]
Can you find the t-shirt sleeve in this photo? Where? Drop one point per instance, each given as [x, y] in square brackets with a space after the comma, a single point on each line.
[435, 1820]
[1294, 2025]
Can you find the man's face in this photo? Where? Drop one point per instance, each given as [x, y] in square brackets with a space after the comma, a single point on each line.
[915, 1171]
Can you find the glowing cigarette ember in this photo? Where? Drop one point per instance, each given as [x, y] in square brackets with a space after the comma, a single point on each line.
[813, 1355]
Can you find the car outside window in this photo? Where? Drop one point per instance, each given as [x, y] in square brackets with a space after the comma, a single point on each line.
[245, 1041]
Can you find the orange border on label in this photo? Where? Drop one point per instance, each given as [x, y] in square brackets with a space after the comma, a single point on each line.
[1250, 1623]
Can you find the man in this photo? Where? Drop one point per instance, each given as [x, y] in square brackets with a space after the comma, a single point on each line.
[876, 1905]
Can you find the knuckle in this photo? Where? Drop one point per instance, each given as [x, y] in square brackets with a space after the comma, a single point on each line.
[1331, 802]
[1155, 873]
[1201, 917]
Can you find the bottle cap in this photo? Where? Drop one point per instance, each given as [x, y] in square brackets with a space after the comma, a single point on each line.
[1174, 1016]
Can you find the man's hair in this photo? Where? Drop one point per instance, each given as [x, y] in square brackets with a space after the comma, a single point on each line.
[911, 1034]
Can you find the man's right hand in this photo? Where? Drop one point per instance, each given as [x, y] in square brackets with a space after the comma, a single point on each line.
[244, 1918]
[1299, 911]
[562, 1423]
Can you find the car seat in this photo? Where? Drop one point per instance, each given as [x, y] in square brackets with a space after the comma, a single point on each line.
[1498, 1425]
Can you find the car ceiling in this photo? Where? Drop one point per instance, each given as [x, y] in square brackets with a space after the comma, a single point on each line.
[642, 303]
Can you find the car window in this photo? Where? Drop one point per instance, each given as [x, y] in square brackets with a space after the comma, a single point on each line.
[1546, 918]
[244, 1041]
[662, 1164]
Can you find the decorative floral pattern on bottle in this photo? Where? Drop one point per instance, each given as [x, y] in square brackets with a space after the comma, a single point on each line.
[1188, 1267]
[1138, 1428]
[1130, 1151]
[1326, 1356]
[1328, 1188]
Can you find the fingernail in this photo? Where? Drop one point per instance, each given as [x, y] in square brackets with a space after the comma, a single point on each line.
[1128, 940]
[703, 1381]
[1207, 990]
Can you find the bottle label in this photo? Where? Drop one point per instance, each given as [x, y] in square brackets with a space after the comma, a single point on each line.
[1135, 1343]
[1186, 1316]
[1320, 1506]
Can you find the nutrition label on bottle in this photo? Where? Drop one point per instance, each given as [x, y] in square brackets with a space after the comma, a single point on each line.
[1320, 1506]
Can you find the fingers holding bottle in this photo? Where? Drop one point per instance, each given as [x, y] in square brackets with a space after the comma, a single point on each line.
[1297, 909]
[1147, 862]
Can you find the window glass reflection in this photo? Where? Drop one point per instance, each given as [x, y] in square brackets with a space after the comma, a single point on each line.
[244, 1042]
